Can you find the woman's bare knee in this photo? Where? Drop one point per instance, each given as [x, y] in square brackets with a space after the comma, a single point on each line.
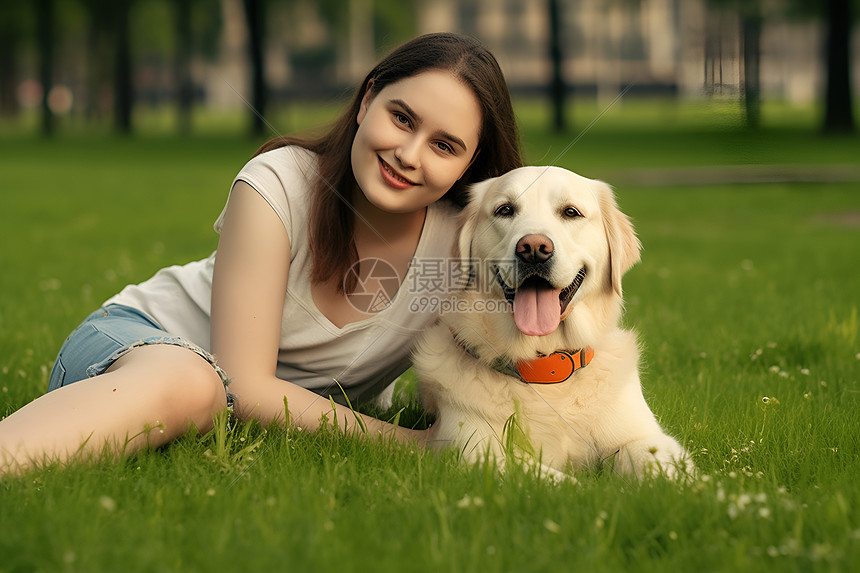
[185, 385]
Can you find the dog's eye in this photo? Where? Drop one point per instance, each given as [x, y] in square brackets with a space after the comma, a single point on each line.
[504, 210]
[571, 212]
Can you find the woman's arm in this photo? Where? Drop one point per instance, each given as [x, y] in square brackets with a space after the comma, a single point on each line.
[248, 290]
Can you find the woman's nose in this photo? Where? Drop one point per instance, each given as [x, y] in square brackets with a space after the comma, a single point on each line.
[408, 153]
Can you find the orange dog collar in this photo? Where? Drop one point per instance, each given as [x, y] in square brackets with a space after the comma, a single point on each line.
[555, 368]
[550, 369]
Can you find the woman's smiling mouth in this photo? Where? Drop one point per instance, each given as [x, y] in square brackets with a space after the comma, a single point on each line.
[392, 177]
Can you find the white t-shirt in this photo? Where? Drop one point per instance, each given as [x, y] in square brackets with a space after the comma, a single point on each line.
[363, 356]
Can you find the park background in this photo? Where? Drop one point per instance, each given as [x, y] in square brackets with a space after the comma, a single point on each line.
[728, 131]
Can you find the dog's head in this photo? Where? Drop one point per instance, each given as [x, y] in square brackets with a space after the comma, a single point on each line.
[547, 240]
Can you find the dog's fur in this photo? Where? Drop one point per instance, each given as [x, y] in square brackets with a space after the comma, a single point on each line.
[599, 413]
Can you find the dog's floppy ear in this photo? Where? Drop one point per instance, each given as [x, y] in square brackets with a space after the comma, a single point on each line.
[468, 222]
[624, 247]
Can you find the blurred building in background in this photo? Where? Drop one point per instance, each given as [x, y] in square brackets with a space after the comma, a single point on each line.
[312, 49]
[689, 47]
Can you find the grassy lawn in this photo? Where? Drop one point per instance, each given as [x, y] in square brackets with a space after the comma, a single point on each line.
[746, 301]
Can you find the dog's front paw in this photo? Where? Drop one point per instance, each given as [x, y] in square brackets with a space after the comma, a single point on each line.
[655, 456]
[552, 475]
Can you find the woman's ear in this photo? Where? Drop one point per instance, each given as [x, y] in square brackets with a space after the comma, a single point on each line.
[365, 102]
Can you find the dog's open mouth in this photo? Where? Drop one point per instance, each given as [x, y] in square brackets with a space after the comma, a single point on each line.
[538, 305]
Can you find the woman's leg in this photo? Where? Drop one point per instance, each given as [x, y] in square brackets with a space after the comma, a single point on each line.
[147, 397]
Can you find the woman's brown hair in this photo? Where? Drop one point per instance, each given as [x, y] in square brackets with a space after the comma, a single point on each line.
[332, 221]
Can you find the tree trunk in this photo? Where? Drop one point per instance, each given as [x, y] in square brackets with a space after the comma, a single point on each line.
[45, 26]
[10, 37]
[182, 69]
[838, 113]
[254, 13]
[557, 86]
[123, 96]
[751, 34]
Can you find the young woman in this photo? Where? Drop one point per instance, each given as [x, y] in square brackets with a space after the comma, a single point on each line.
[281, 313]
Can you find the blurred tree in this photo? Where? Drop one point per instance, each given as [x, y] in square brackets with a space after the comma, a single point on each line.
[98, 70]
[45, 16]
[123, 90]
[838, 20]
[751, 22]
[394, 22]
[557, 86]
[15, 26]
[838, 104]
[182, 64]
[750, 17]
[255, 11]
[109, 56]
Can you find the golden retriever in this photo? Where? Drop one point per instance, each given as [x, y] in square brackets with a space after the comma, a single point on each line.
[528, 356]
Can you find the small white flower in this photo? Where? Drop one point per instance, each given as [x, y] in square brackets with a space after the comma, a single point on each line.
[551, 526]
[732, 511]
[107, 503]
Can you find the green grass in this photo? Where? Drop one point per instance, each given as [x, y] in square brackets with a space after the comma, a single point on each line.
[744, 292]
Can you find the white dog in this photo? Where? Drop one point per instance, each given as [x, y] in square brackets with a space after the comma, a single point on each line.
[529, 353]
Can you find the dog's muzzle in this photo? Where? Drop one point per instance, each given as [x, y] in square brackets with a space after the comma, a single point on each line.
[537, 304]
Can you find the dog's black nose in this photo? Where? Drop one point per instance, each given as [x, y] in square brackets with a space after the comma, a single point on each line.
[535, 249]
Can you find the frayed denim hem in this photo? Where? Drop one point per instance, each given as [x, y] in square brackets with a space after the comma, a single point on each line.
[100, 367]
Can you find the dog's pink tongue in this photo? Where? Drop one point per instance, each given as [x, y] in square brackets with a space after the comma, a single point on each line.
[536, 310]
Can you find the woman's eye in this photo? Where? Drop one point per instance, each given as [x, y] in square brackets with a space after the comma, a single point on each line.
[572, 212]
[400, 118]
[445, 147]
[504, 210]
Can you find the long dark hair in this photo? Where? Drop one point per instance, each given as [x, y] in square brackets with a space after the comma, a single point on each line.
[332, 219]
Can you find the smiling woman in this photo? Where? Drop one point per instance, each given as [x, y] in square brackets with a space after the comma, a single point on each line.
[305, 223]
[421, 135]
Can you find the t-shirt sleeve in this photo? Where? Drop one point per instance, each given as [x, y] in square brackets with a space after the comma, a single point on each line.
[276, 175]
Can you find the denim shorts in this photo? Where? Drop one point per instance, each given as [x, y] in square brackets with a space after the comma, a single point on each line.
[105, 336]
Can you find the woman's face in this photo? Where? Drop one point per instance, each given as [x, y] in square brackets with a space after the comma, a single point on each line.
[415, 139]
